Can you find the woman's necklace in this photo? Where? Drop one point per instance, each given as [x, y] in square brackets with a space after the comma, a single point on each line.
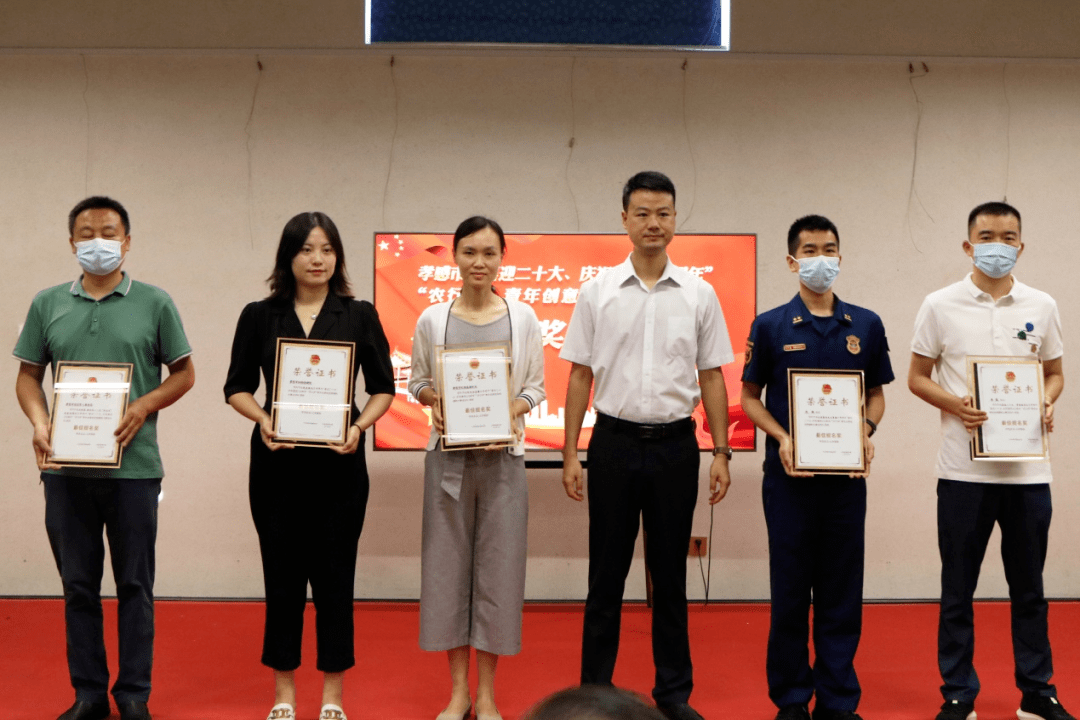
[310, 309]
[476, 315]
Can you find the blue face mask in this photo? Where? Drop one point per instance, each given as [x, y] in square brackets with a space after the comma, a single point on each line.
[99, 256]
[995, 260]
[818, 273]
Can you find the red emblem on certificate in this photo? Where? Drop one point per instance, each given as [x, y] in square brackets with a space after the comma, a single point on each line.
[315, 360]
[826, 389]
[1010, 376]
[474, 363]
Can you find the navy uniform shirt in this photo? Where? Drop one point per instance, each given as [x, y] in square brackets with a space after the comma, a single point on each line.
[790, 337]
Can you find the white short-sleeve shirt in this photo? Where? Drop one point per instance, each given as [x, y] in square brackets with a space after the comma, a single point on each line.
[962, 320]
[643, 345]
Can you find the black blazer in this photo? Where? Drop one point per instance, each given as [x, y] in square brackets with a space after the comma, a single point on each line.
[263, 322]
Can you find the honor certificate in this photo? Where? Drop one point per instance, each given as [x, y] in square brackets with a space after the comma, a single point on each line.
[1010, 391]
[313, 389]
[89, 400]
[474, 382]
[827, 412]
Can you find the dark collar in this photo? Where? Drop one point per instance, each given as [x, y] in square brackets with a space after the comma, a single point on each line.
[798, 314]
[328, 317]
[334, 303]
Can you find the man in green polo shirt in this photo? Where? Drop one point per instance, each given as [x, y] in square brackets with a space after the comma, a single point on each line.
[105, 316]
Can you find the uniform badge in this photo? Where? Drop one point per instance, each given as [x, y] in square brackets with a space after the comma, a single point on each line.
[796, 320]
[853, 344]
[749, 352]
[847, 317]
[794, 346]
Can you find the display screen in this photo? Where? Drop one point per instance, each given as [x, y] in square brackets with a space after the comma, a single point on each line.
[415, 270]
[701, 24]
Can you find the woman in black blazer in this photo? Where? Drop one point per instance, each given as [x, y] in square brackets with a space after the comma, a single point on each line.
[307, 502]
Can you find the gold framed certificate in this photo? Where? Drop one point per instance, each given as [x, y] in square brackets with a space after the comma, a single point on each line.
[89, 400]
[1010, 391]
[313, 391]
[474, 384]
[826, 415]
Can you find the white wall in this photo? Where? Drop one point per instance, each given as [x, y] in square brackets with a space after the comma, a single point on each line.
[919, 28]
[211, 157]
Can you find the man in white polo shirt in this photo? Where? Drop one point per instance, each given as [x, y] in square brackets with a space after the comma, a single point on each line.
[989, 312]
[639, 330]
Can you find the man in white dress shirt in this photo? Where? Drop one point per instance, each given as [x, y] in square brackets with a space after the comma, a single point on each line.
[989, 312]
[638, 331]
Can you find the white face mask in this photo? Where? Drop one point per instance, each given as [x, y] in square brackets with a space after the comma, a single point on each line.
[995, 259]
[818, 273]
[99, 256]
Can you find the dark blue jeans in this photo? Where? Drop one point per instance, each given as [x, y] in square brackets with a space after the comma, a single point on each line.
[967, 512]
[657, 481]
[77, 512]
[816, 550]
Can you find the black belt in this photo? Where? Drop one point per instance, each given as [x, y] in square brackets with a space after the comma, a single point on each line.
[643, 431]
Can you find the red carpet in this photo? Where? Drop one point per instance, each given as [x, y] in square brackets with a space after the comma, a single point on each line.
[207, 661]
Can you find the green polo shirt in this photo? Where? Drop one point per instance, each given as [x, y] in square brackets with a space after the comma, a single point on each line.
[136, 323]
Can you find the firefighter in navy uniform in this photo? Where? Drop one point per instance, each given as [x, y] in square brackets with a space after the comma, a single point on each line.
[816, 523]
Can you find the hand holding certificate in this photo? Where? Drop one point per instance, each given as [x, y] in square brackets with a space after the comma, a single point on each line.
[313, 389]
[1010, 391]
[474, 385]
[827, 416]
[89, 400]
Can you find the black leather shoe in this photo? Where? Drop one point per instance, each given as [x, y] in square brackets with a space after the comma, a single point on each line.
[679, 711]
[822, 713]
[133, 710]
[793, 712]
[83, 710]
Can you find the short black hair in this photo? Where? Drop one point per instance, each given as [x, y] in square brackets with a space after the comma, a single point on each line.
[998, 209]
[813, 223]
[98, 202]
[648, 180]
[476, 223]
[593, 702]
[282, 281]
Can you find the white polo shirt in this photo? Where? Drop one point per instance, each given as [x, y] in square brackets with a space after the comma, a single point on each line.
[643, 345]
[962, 320]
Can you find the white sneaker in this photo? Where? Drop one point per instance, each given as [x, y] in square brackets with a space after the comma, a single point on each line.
[332, 712]
[282, 711]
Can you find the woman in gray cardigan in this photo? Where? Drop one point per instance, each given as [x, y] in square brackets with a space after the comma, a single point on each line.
[475, 501]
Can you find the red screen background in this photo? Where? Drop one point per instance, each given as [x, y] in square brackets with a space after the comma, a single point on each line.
[415, 270]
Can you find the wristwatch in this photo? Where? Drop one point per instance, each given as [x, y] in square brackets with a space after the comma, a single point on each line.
[722, 450]
[873, 427]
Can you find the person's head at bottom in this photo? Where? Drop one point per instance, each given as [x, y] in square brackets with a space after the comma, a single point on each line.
[593, 702]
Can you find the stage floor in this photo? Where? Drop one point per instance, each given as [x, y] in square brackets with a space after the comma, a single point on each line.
[207, 661]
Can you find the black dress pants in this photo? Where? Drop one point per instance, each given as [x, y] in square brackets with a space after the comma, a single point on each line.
[967, 512]
[77, 512]
[308, 505]
[816, 550]
[656, 480]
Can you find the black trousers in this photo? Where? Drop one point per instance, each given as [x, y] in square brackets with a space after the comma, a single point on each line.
[967, 512]
[308, 505]
[77, 512]
[816, 549]
[656, 480]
